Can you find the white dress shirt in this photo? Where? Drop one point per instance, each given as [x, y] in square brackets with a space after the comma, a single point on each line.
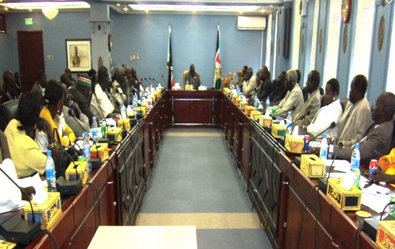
[10, 195]
[101, 106]
[324, 117]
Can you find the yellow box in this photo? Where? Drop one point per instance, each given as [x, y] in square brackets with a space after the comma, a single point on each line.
[189, 87]
[125, 124]
[278, 130]
[226, 91]
[345, 199]
[242, 104]
[238, 100]
[294, 144]
[77, 167]
[248, 109]
[312, 166]
[386, 234]
[255, 115]
[99, 150]
[114, 134]
[265, 121]
[143, 109]
[47, 213]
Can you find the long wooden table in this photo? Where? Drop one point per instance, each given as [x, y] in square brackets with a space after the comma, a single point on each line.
[291, 209]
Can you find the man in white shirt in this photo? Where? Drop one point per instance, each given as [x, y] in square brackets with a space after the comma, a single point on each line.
[101, 106]
[293, 100]
[331, 112]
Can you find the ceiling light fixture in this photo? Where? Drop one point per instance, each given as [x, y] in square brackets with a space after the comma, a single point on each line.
[194, 7]
[41, 5]
[50, 12]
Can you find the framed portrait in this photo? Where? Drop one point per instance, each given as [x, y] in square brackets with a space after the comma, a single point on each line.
[78, 55]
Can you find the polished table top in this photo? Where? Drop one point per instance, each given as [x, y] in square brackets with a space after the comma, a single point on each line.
[145, 237]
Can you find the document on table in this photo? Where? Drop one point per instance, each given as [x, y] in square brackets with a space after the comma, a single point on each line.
[338, 165]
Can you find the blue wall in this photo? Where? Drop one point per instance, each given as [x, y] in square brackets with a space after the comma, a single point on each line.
[193, 41]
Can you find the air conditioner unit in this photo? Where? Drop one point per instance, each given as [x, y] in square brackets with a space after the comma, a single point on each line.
[251, 23]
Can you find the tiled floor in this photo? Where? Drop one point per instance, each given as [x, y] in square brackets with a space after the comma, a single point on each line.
[195, 182]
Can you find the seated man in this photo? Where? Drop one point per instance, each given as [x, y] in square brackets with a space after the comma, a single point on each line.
[293, 100]
[249, 83]
[376, 141]
[101, 105]
[191, 77]
[264, 85]
[356, 117]
[331, 112]
[304, 117]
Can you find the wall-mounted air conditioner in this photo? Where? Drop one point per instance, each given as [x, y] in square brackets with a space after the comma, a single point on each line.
[251, 23]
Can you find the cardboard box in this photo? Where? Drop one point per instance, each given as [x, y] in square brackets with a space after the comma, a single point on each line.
[386, 234]
[248, 109]
[312, 166]
[255, 115]
[294, 144]
[265, 121]
[47, 213]
[345, 199]
[278, 130]
[124, 124]
[77, 167]
[242, 104]
[114, 134]
[100, 150]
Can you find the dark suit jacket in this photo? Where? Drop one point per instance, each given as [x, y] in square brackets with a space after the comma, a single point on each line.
[264, 90]
[82, 102]
[377, 143]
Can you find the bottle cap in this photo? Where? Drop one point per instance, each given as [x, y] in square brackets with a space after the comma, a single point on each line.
[363, 214]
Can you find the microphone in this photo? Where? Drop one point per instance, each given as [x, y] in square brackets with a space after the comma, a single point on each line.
[142, 82]
[13, 228]
[164, 82]
[331, 126]
[299, 118]
[323, 182]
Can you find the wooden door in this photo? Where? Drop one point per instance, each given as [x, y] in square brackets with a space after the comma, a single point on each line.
[31, 57]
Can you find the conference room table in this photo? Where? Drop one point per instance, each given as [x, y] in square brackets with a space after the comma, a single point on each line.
[292, 211]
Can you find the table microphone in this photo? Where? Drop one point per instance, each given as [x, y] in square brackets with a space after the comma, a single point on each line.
[323, 182]
[16, 230]
[164, 82]
[299, 118]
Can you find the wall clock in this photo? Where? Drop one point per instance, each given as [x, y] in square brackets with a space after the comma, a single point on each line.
[346, 10]
[109, 40]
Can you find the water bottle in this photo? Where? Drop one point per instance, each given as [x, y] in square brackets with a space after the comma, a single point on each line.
[50, 172]
[86, 152]
[267, 107]
[324, 147]
[355, 158]
[94, 129]
[256, 102]
[123, 111]
[289, 123]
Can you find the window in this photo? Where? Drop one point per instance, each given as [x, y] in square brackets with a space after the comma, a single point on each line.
[333, 36]
[296, 35]
[391, 64]
[268, 40]
[314, 35]
[360, 57]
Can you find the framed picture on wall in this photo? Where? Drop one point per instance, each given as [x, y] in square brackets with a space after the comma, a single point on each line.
[78, 55]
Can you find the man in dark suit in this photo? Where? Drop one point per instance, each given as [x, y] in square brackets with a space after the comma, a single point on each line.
[81, 95]
[378, 137]
[191, 77]
[38, 88]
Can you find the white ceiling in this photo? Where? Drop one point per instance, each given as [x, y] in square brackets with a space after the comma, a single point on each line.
[218, 7]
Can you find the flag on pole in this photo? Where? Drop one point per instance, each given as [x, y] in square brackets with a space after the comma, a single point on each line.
[217, 68]
[170, 78]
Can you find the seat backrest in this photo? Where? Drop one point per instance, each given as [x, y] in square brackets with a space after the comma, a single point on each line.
[8, 111]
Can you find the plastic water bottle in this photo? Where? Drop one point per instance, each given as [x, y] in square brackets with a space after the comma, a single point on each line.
[123, 111]
[324, 147]
[289, 122]
[256, 101]
[267, 107]
[355, 158]
[50, 173]
[94, 129]
[86, 152]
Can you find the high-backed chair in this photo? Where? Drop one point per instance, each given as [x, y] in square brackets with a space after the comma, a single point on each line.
[8, 111]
